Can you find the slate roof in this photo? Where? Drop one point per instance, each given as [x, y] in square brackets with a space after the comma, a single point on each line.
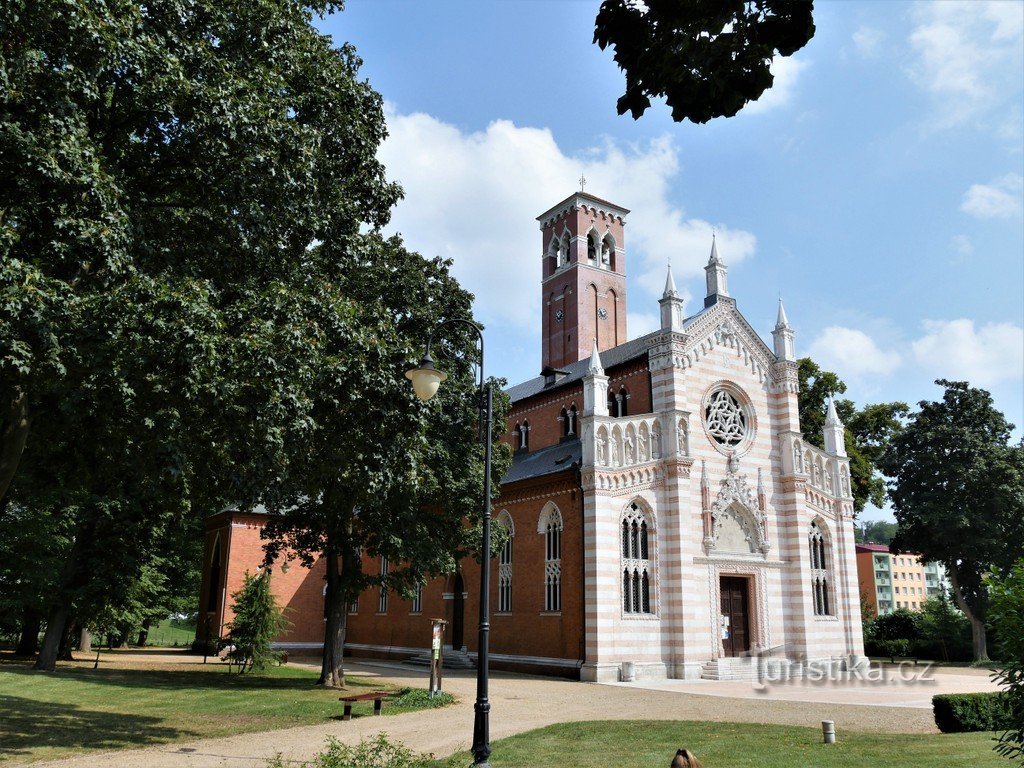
[546, 461]
[609, 359]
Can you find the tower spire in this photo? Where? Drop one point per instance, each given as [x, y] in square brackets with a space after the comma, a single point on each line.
[595, 361]
[716, 273]
[834, 432]
[671, 305]
[782, 321]
[783, 336]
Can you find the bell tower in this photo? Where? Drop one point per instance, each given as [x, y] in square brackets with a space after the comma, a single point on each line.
[583, 284]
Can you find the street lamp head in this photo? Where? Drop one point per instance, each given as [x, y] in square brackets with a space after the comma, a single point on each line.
[426, 379]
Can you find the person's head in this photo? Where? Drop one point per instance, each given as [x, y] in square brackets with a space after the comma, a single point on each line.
[685, 759]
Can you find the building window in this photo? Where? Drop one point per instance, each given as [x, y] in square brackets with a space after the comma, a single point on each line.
[213, 583]
[417, 599]
[382, 605]
[523, 433]
[353, 607]
[568, 417]
[591, 248]
[636, 561]
[819, 571]
[551, 527]
[725, 418]
[505, 565]
[617, 402]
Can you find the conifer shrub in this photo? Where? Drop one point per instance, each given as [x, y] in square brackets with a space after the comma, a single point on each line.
[258, 620]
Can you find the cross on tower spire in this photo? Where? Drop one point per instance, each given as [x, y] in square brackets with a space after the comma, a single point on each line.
[583, 183]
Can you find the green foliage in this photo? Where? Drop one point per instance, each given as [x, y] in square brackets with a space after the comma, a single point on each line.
[966, 712]
[892, 634]
[377, 752]
[868, 430]
[874, 531]
[1007, 616]
[957, 490]
[419, 698]
[707, 58]
[406, 481]
[170, 165]
[944, 632]
[258, 620]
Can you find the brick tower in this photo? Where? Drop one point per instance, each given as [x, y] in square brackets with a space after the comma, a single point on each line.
[583, 289]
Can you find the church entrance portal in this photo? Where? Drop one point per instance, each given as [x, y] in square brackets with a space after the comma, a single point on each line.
[735, 615]
[458, 612]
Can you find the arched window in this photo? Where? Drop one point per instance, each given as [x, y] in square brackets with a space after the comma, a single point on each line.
[608, 252]
[568, 417]
[505, 565]
[591, 248]
[382, 604]
[618, 402]
[819, 570]
[550, 525]
[636, 561]
[522, 436]
[417, 600]
[213, 587]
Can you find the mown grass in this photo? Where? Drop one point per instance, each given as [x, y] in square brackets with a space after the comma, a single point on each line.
[78, 709]
[652, 744]
[172, 632]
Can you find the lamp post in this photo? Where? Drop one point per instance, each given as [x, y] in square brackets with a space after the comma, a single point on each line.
[425, 381]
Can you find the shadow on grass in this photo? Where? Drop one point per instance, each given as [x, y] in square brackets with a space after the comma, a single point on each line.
[27, 725]
[218, 676]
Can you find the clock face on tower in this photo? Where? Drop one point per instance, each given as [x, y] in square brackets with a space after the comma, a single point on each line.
[602, 313]
[559, 314]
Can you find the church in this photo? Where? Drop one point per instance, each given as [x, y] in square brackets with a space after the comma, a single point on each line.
[666, 518]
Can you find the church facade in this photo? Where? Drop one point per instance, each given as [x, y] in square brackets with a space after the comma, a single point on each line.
[665, 513]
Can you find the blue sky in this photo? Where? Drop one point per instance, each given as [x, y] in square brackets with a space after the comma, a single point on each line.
[877, 187]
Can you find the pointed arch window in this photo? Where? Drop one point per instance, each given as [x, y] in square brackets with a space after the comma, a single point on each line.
[382, 603]
[213, 587]
[636, 539]
[505, 565]
[591, 248]
[608, 252]
[820, 572]
[523, 436]
[417, 600]
[550, 525]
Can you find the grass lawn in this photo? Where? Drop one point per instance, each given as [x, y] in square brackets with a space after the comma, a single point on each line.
[125, 704]
[172, 632]
[653, 744]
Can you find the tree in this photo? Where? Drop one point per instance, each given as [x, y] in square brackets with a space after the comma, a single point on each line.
[957, 490]
[874, 531]
[258, 620]
[868, 430]
[707, 58]
[1007, 616]
[381, 473]
[895, 632]
[168, 166]
[945, 632]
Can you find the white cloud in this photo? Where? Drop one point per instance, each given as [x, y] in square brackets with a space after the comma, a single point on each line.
[786, 70]
[474, 197]
[962, 246]
[967, 55]
[955, 349]
[852, 353]
[1002, 199]
[641, 323]
[868, 40]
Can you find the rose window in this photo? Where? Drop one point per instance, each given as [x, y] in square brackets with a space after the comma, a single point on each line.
[725, 418]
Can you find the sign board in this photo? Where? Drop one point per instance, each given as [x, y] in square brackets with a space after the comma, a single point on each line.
[436, 655]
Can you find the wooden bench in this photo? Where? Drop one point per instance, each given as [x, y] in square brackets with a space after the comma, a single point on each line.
[377, 697]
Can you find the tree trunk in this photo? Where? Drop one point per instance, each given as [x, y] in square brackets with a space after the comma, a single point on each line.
[28, 642]
[332, 670]
[12, 438]
[143, 634]
[64, 653]
[47, 661]
[122, 637]
[978, 638]
[85, 641]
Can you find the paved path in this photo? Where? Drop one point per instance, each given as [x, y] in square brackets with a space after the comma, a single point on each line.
[521, 703]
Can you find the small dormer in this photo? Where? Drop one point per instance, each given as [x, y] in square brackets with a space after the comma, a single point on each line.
[552, 376]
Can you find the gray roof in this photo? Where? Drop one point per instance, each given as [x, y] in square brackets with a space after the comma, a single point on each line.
[546, 461]
[576, 371]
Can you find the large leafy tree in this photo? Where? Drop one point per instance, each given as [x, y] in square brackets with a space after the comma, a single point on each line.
[381, 473]
[167, 166]
[707, 58]
[868, 429]
[957, 490]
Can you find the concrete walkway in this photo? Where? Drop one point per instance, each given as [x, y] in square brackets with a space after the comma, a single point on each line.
[521, 703]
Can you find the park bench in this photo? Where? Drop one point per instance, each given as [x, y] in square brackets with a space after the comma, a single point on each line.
[377, 697]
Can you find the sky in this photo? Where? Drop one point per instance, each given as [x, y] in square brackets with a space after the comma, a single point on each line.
[878, 187]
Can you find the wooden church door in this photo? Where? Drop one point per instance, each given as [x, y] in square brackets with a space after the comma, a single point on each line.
[735, 621]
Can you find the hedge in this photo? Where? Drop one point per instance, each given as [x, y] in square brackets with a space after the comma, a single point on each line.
[961, 712]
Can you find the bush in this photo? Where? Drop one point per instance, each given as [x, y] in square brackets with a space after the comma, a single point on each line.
[964, 712]
[1006, 612]
[377, 752]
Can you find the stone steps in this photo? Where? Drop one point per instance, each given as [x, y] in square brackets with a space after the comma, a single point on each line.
[452, 660]
[730, 668]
